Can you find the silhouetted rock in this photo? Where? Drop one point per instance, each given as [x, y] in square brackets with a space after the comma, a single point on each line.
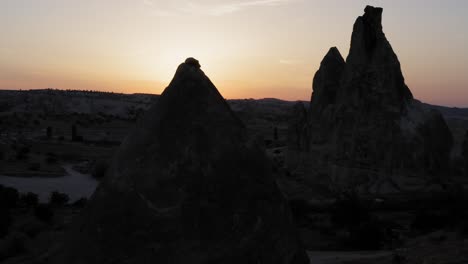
[186, 187]
[372, 68]
[364, 129]
[327, 80]
[193, 62]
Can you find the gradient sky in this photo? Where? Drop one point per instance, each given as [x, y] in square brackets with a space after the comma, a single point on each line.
[249, 48]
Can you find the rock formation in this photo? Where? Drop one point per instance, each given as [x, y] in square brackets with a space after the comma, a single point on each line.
[363, 127]
[186, 187]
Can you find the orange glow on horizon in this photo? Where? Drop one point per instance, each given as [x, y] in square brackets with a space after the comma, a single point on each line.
[254, 50]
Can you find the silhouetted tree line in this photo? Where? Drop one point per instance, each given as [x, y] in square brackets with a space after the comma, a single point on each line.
[11, 199]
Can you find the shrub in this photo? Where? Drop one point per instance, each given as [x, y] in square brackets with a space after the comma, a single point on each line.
[425, 221]
[22, 153]
[44, 213]
[59, 199]
[8, 197]
[32, 227]
[49, 132]
[34, 166]
[80, 203]
[5, 221]
[445, 210]
[363, 231]
[100, 169]
[51, 158]
[14, 245]
[367, 236]
[29, 199]
[349, 211]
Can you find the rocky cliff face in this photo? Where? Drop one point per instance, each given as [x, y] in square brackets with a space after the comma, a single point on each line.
[363, 127]
[186, 187]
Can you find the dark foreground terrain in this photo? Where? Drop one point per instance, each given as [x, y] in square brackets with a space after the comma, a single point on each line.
[37, 140]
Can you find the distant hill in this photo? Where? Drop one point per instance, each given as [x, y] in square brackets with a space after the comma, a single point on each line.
[451, 112]
[53, 100]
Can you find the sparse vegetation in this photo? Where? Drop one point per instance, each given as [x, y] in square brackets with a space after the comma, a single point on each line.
[29, 199]
[51, 158]
[34, 166]
[22, 152]
[13, 245]
[49, 132]
[363, 230]
[100, 169]
[80, 203]
[44, 213]
[58, 198]
[8, 197]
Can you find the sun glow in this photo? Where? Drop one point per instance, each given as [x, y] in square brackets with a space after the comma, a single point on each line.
[248, 50]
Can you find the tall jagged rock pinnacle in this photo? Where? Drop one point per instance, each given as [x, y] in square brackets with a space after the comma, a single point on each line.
[327, 80]
[372, 68]
[186, 187]
[363, 127]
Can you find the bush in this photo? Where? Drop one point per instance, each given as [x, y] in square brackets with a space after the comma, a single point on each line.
[349, 211]
[23, 153]
[58, 199]
[5, 221]
[32, 227]
[445, 210]
[29, 199]
[44, 213]
[49, 132]
[51, 158]
[363, 231]
[367, 236]
[13, 245]
[100, 169]
[426, 221]
[34, 166]
[8, 197]
[80, 203]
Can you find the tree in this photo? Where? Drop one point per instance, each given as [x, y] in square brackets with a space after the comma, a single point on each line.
[74, 132]
[44, 213]
[49, 132]
[75, 136]
[29, 199]
[99, 170]
[59, 199]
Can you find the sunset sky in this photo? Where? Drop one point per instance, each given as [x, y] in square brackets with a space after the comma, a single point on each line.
[249, 48]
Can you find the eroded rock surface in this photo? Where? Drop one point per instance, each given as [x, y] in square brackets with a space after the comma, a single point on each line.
[186, 187]
[364, 129]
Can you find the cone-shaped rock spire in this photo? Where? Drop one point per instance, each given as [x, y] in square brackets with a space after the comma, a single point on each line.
[186, 187]
[327, 79]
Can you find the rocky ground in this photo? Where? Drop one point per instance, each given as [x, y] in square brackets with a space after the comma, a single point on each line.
[24, 143]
